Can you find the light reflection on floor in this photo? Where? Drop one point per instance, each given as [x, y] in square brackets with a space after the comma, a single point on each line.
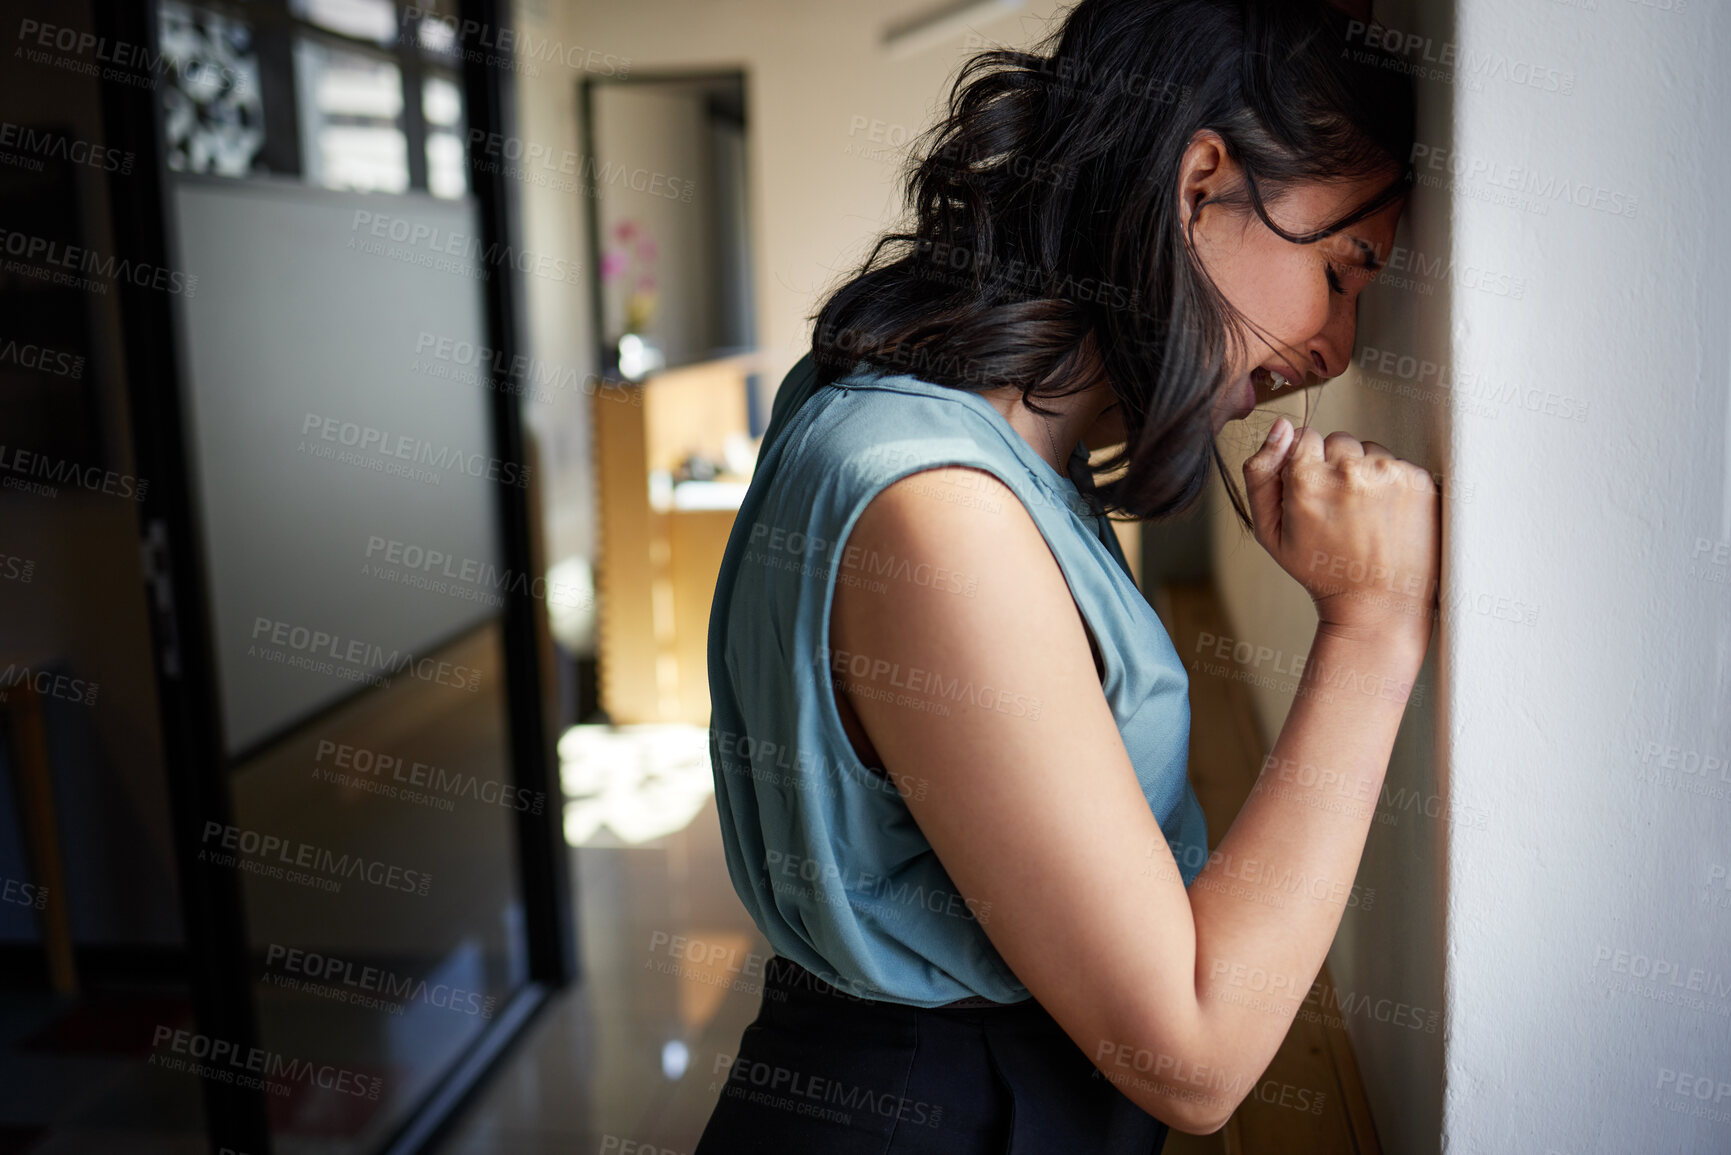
[627, 785]
[672, 964]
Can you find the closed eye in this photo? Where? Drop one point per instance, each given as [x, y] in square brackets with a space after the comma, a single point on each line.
[1334, 280]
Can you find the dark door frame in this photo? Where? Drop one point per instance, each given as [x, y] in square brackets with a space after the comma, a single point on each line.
[172, 560]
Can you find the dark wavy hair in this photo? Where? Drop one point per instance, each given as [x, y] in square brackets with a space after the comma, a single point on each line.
[1046, 249]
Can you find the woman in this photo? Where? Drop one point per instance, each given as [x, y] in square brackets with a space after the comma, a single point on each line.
[949, 736]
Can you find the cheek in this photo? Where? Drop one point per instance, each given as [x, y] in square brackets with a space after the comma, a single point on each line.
[1282, 289]
[1289, 297]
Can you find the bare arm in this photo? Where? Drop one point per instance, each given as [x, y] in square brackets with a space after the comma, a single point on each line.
[1030, 801]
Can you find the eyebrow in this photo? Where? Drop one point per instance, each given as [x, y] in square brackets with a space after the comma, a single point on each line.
[1368, 254]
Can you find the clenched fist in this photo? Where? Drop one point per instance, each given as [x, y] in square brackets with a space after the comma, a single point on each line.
[1354, 524]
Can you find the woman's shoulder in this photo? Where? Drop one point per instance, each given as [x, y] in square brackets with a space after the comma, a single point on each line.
[873, 425]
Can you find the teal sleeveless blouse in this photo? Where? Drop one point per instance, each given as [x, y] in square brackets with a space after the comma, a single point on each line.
[823, 850]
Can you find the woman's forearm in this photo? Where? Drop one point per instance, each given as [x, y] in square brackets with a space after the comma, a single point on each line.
[1270, 899]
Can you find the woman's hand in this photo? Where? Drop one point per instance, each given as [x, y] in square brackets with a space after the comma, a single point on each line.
[1354, 524]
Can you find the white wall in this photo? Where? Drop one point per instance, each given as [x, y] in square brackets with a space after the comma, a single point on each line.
[1597, 846]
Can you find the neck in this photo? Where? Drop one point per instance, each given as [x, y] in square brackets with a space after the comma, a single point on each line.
[1079, 418]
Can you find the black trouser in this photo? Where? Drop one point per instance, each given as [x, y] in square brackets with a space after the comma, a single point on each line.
[819, 1071]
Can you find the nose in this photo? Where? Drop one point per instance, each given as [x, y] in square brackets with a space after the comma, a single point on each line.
[1330, 350]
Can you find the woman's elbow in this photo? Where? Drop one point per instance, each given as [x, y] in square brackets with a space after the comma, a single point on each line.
[1191, 1110]
[1187, 1094]
[1201, 1120]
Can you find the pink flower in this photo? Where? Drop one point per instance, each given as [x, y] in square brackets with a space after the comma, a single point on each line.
[612, 264]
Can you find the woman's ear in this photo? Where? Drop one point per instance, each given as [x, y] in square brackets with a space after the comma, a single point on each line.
[1203, 171]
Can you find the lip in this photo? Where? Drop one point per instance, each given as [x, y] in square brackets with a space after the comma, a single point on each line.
[1265, 388]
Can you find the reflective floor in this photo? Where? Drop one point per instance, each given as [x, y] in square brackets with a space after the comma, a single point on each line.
[631, 1052]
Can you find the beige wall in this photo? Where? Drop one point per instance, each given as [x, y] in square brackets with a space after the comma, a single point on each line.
[824, 102]
[1393, 949]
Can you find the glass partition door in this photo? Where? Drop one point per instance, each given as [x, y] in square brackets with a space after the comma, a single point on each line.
[346, 493]
[340, 541]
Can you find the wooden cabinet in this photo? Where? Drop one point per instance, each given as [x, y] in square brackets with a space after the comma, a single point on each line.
[661, 543]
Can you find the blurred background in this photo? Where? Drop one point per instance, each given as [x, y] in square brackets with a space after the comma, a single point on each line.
[378, 384]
